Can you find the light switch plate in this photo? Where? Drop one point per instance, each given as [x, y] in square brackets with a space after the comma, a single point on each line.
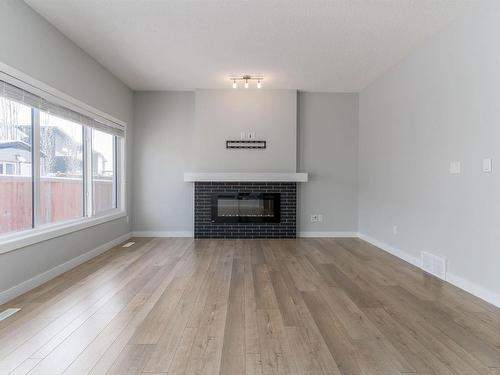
[487, 167]
[455, 167]
[243, 136]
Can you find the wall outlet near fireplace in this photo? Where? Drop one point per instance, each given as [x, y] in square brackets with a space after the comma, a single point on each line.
[316, 218]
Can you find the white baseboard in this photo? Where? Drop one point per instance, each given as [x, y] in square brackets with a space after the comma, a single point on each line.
[321, 234]
[37, 280]
[185, 233]
[190, 234]
[474, 289]
[469, 286]
[391, 250]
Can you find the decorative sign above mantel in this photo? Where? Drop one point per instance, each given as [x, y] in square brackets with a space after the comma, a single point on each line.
[248, 144]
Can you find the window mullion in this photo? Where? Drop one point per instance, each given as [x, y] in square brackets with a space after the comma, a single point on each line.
[120, 174]
[88, 171]
[35, 115]
[115, 177]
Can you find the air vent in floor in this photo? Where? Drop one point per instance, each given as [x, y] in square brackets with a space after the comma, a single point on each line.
[128, 244]
[433, 264]
[6, 313]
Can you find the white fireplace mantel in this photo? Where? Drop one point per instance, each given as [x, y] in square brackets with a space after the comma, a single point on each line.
[245, 177]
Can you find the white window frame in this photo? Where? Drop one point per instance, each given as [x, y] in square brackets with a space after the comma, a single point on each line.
[23, 238]
[119, 190]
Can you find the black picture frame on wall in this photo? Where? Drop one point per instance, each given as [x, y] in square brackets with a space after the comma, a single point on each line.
[240, 144]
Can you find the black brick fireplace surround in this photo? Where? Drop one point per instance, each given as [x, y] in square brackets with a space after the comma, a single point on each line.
[205, 228]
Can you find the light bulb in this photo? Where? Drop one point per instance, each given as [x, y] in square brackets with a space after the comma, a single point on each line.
[235, 85]
[246, 84]
[259, 85]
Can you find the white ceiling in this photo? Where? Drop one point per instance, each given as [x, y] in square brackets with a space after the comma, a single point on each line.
[310, 45]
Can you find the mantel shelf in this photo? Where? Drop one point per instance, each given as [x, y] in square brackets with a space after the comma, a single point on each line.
[245, 177]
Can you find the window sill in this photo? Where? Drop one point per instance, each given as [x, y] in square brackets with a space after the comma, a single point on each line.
[32, 236]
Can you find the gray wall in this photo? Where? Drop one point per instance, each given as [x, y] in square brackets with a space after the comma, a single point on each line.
[164, 149]
[33, 46]
[328, 149]
[439, 105]
[180, 132]
[223, 114]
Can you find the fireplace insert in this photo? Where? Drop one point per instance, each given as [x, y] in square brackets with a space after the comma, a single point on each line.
[246, 208]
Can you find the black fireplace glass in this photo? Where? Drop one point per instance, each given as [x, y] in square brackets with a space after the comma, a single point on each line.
[246, 208]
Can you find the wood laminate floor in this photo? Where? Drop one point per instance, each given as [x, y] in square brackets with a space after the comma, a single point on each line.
[307, 306]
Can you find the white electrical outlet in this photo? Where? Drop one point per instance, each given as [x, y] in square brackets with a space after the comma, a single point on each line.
[394, 229]
[243, 136]
[251, 135]
[487, 165]
[316, 218]
[455, 167]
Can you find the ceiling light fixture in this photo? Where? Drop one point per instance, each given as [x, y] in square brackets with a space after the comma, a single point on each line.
[246, 78]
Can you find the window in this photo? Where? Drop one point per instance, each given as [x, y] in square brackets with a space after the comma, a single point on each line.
[56, 165]
[8, 168]
[61, 169]
[103, 171]
[16, 183]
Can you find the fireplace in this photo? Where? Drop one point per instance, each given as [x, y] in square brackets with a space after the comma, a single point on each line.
[246, 208]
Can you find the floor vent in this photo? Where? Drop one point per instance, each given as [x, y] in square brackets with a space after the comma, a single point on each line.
[433, 264]
[6, 313]
[128, 244]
